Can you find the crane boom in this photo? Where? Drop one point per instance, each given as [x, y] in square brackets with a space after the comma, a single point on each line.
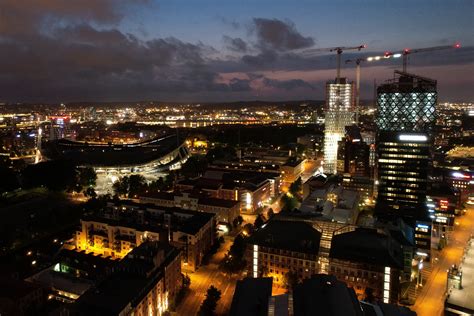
[338, 50]
[408, 51]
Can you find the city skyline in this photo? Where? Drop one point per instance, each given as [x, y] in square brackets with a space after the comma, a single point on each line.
[188, 52]
[183, 157]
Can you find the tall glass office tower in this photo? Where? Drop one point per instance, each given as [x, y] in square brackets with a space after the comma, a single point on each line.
[406, 115]
[339, 114]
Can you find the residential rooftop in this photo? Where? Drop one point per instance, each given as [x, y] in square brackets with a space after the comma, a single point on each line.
[251, 297]
[128, 285]
[324, 295]
[367, 245]
[289, 235]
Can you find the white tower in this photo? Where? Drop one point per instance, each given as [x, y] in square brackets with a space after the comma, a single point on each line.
[339, 114]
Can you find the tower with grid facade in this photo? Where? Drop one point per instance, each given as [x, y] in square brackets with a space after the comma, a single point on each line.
[406, 116]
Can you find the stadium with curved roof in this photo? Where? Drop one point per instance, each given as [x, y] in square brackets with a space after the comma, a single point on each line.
[158, 154]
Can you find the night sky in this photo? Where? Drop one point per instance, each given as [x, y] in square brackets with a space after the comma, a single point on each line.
[204, 51]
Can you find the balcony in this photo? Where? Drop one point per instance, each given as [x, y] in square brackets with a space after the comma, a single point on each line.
[128, 238]
[96, 232]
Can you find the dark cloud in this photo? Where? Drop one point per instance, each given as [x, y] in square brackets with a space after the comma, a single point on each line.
[271, 61]
[261, 60]
[279, 35]
[75, 60]
[26, 17]
[62, 50]
[287, 84]
[235, 44]
[240, 85]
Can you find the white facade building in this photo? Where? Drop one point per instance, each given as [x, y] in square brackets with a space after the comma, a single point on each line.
[339, 114]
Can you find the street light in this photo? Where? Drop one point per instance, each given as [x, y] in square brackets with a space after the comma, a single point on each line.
[420, 278]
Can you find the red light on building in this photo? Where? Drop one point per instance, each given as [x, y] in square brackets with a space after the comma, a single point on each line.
[444, 204]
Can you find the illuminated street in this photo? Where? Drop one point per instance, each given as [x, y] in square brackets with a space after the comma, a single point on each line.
[203, 278]
[310, 167]
[431, 299]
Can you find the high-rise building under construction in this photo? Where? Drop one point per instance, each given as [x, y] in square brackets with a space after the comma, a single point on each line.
[339, 114]
[406, 116]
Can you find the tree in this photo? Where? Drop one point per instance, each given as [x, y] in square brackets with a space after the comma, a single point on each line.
[238, 221]
[162, 183]
[288, 202]
[136, 185]
[231, 264]
[209, 304]
[296, 188]
[238, 247]
[259, 221]
[87, 177]
[96, 205]
[130, 186]
[121, 186]
[90, 192]
[170, 179]
[186, 280]
[195, 166]
[290, 280]
[156, 185]
[248, 229]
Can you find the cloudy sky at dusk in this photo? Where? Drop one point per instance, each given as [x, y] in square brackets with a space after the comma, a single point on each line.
[202, 50]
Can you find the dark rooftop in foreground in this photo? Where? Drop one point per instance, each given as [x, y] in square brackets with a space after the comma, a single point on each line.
[289, 235]
[367, 245]
[325, 295]
[251, 297]
[15, 289]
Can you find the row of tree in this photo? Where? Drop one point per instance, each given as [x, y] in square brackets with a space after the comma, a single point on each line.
[134, 185]
[196, 165]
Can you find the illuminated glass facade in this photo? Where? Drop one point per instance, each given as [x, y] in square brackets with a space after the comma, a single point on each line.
[407, 104]
[403, 171]
[339, 107]
[406, 114]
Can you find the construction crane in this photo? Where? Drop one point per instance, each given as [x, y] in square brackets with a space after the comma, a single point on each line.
[338, 50]
[357, 62]
[408, 51]
[386, 55]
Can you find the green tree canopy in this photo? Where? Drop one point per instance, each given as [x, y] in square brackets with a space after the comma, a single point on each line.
[195, 166]
[209, 304]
